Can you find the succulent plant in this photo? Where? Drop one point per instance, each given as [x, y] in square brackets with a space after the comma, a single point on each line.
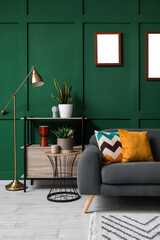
[64, 93]
[63, 132]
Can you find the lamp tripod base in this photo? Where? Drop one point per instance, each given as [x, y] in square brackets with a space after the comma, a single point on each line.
[15, 185]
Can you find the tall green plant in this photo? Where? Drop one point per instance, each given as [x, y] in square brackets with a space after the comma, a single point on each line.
[64, 93]
[64, 132]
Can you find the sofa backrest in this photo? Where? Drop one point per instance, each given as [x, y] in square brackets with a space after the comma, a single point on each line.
[154, 139]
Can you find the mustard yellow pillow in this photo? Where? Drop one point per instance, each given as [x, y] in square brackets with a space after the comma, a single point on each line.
[136, 146]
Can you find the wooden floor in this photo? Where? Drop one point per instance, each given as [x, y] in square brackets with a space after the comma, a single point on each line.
[28, 216]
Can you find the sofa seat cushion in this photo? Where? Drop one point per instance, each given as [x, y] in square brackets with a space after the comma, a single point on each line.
[131, 173]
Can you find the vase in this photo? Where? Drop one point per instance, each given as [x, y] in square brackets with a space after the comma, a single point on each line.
[43, 130]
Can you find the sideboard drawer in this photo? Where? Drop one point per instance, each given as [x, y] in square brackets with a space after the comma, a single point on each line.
[38, 164]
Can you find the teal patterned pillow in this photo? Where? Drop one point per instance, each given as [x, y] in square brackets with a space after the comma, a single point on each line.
[109, 144]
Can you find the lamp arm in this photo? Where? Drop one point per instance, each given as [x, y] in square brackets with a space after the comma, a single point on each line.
[3, 111]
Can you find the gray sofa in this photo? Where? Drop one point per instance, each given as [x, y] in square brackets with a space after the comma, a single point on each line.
[119, 179]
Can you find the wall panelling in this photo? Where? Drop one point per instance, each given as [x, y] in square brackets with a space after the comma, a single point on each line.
[57, 36]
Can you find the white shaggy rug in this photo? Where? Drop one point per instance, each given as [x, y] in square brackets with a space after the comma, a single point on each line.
[127, 226]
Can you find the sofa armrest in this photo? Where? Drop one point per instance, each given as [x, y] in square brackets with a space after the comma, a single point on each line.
[89, 171]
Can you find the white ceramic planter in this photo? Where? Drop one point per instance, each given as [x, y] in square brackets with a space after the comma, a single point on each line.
[65, 110]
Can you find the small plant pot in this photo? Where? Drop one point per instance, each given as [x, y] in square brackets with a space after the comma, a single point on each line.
[65, 110]
[65, 144]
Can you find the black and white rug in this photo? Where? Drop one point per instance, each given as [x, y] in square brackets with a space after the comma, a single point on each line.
[127, 226]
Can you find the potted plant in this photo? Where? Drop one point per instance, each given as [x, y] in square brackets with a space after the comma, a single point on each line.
[64, 100]
[64, 139]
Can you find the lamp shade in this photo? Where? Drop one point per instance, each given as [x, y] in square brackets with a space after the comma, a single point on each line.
[36, 80]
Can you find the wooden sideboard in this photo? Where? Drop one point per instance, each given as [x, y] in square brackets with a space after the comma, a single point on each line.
[38, 165]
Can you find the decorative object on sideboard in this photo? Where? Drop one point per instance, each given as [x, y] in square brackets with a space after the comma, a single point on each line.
[36, 81]
[65, 139]
[55, 149]
[64, 100]
[107, 48]
[43, 131]
[54, 111]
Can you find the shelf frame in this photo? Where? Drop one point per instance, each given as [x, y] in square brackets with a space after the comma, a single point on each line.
[49, 118]
[30, 120]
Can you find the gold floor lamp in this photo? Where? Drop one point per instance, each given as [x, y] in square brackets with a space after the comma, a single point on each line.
[36, 81]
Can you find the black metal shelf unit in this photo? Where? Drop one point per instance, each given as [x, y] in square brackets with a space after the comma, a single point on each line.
[29, 121]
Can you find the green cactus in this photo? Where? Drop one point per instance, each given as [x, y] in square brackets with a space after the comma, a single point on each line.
[64, 93]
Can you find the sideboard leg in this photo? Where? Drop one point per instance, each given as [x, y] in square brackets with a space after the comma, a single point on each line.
[88, 202]
[32, 181]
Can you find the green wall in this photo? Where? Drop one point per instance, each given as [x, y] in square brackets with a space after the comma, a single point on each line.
[57, 36]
